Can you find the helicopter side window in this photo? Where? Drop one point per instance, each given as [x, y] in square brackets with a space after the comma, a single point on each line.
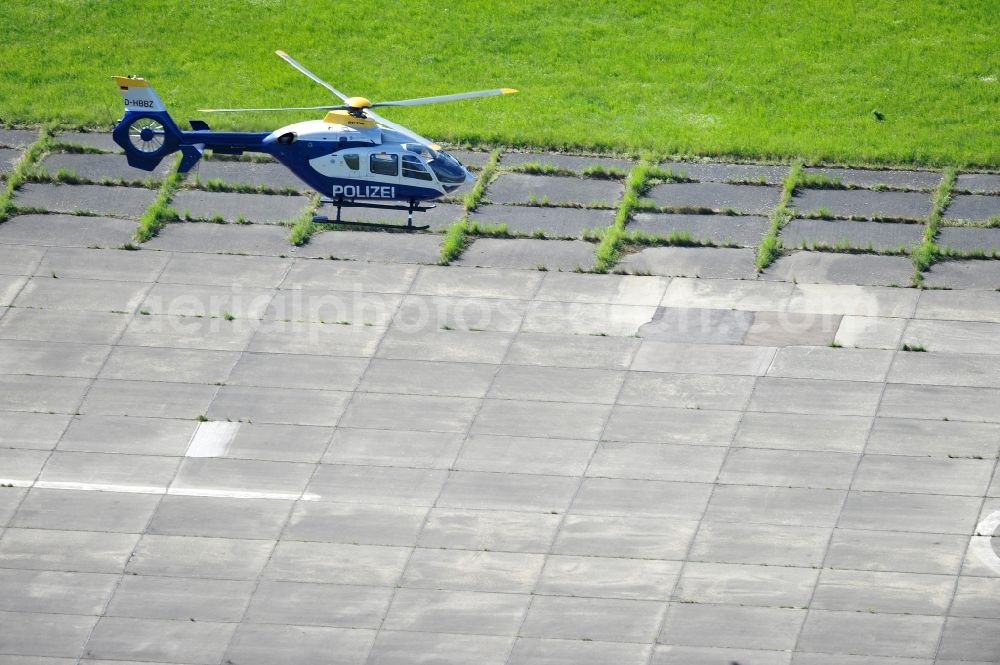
[287, 138]
[383, 163]
[413, 168]
[353, 162]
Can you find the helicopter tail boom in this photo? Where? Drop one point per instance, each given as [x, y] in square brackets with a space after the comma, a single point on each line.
[147, 133]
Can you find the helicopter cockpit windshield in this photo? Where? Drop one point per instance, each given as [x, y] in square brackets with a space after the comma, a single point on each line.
[447, 169]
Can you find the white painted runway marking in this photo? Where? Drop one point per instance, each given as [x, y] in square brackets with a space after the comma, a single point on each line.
[175, 491]
[212, 439]
[981, 543]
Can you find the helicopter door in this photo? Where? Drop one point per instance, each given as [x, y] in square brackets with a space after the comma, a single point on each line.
[384, 166]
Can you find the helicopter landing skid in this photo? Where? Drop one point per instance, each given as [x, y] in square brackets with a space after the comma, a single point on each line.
[411, 208]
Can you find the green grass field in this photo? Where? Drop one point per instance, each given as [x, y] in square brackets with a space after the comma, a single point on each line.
[773, 80]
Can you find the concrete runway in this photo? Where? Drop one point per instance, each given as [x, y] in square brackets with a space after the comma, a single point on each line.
[214, 458]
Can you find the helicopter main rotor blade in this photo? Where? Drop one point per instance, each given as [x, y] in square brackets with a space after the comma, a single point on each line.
[294, 63]
[447, 98]
[402, 130]
[283, 108]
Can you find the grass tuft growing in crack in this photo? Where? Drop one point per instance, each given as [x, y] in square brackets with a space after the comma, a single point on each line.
[25, 170]
[613, 238]
[160, 212]
[770, 245]
[303, 226]
[456, 237]
[927, 252]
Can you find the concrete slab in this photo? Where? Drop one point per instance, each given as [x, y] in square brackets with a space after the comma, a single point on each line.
[900, 551]
[189, 332]
[66, 231]
[870, 332]
[51, 358]
[77, 551]
[256, 208]
[868, 236]
[984, 240]
[231, 271]
[748, 585]
[563, 161]
[31, 431]
[456, 612]
[803, 432]
[182, 599]
[63, 326]
[425, 313]
[972, 274]
[505, 572]
[481, 283]
[763, 544]
[55, 635]
[8, 159]
[746, 627]
[829, 268]
[746, 199]
[710, 326]
[979, 183]
[115, 512]
[359, 524]
[553, 222]
[105, 169]
[214, 558]
[610, 289]
[947, 439]
[119, 638]
[19, 259]
[446, 345]
[119, 434]
[952, 336]
[305, 338]
[536, 650]
[374, 246]
[259, 644]
[144, 398]
[350, 276]
[572, 351]
[473, 159]
[586, 318]
[947, 369]
[216, 517]
[268, 175]
[380, 447]
[128, 202]
[871, 178]
[278, 405]
[554, 190]
[528, 253]
[95, 295]
[195, 300]
[18, 138]
[105, 264]
[99, 140]
[593, 619]
[792, 329]
[863, 203]
[692, 262]
[973, 207]
[725, 230]
[913, 636]
[656, 356]
[222, 239]
[726, 294]
[809, 362]
[770, 174]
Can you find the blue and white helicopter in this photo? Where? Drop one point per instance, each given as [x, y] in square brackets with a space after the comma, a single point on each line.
[353, 156]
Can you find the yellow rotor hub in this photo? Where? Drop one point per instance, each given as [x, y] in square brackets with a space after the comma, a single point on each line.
[358, 102]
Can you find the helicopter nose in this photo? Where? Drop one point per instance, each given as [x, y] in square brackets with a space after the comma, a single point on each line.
[469, 178]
